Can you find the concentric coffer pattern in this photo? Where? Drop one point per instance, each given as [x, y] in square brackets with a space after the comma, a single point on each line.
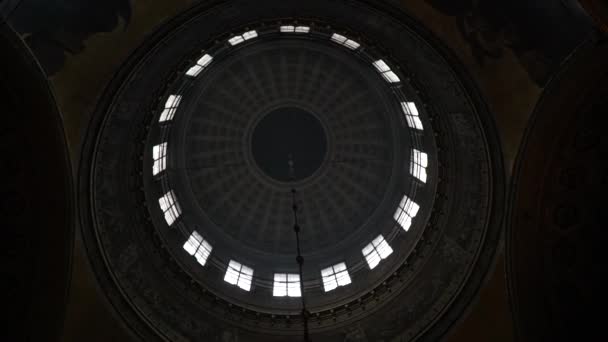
[249, 205]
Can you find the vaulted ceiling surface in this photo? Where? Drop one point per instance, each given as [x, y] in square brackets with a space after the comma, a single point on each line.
[509, 66]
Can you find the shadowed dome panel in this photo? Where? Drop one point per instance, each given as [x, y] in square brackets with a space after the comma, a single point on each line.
[242, 199]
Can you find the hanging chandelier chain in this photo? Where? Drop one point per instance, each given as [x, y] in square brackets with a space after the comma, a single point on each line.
[299, 258]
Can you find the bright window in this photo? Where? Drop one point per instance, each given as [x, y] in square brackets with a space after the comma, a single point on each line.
[406, 211]
[381, 66]
[334, 276]
[239, 275]
[170, 108]
[411, 115]
[338, 38]
[349, 43]
[295, 29]
[159, 155]
[198, 247]
[418, 165]
[286, 284]
[376, 250]
[288, 28]
[250, 34]
[236, 40]
[243, 37]
[199, 66]
[386, 71]
[170, 207]
[302, 29]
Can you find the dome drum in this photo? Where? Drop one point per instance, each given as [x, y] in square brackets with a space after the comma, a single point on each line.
[188, 212]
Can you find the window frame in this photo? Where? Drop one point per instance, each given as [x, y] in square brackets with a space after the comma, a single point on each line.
[335, 276]
[242, 274]
[286, 285]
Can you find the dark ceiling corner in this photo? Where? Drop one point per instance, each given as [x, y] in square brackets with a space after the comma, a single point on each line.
[36, 199]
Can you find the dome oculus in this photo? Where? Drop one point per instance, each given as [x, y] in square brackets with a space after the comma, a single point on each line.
[289, 144]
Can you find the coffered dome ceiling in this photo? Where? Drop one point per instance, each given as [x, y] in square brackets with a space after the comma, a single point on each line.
[202, 140]
[288, 94]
